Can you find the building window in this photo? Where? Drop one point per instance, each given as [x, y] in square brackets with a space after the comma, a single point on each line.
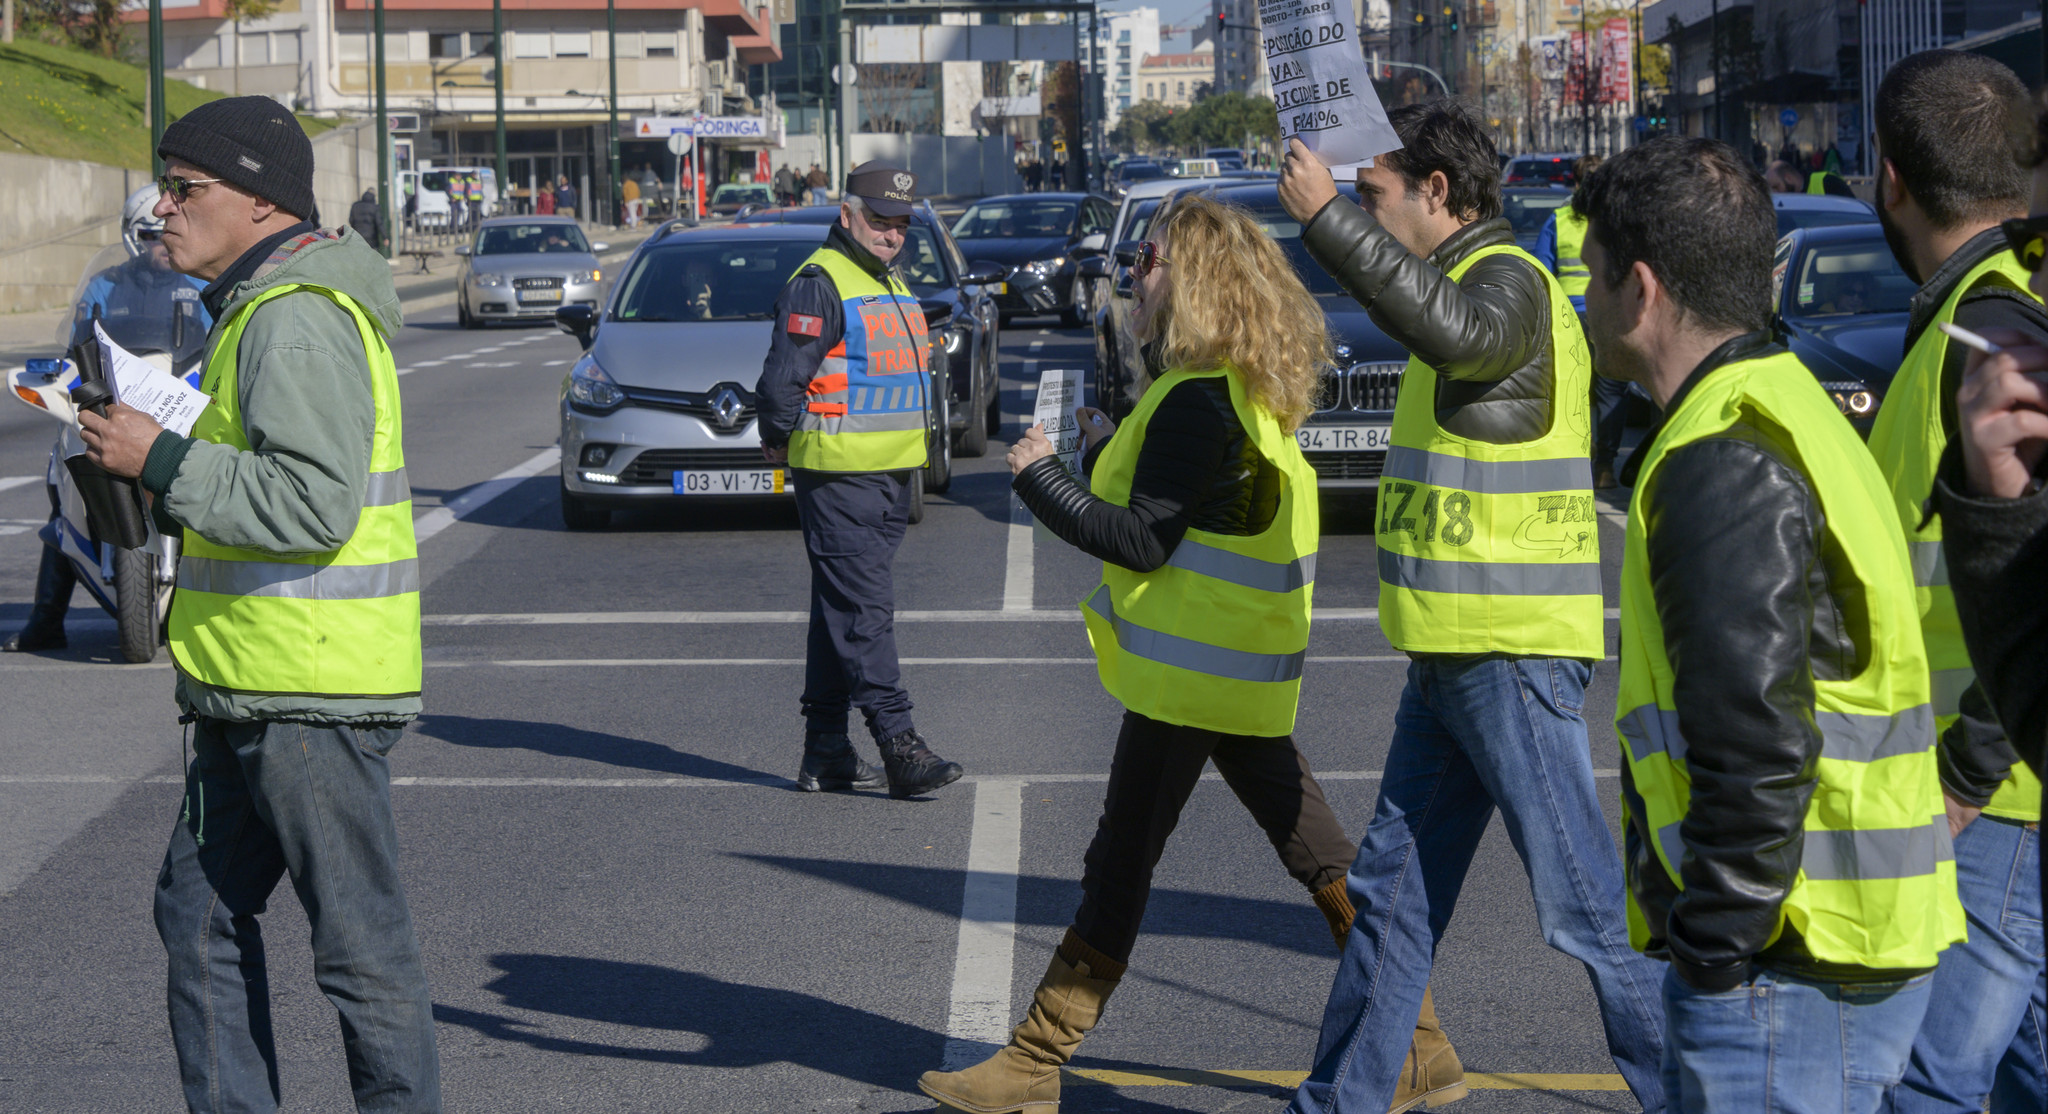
[628, 44]
[1124, 103]
[531, 44]
[660, 44]
[1148, 91]
[443, 45]
[1124, 35]
[480, 44]
[572, 44]
[1180, 89]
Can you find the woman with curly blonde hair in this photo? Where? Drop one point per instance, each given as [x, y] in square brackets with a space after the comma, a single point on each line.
[1204, 514]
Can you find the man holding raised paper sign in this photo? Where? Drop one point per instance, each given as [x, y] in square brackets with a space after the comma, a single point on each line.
[1490, 582]
[296, 625]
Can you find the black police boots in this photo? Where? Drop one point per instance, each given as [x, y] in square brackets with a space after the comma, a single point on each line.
[913, 768]
[830, 763]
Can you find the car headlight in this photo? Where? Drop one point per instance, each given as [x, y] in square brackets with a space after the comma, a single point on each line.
[591, 388]
[485, 279]
[1856, 400]
[584, 278]
[1046, 268]
[956, 341]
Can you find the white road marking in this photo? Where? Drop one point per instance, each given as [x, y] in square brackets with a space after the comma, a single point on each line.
[663, 663]
[19, 525]
[486, 351]
[554, 363]
[1019, 569]
[9, 483]
[430, 363]
[488, 363]
[428, 782]
[1036, 345]
[476, 498]
[978, 1021]
[775, 618]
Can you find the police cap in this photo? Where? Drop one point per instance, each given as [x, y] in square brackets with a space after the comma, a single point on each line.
[887, 189]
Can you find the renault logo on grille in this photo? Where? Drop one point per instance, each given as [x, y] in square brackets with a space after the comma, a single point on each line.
[725, 405]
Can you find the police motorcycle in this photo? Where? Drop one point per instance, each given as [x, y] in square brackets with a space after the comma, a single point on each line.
[130, 292]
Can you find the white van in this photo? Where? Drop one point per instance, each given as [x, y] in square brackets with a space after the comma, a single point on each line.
[423, 193]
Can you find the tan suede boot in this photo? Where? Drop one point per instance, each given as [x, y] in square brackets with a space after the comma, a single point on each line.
[1431, 1076]
[1024, 1075]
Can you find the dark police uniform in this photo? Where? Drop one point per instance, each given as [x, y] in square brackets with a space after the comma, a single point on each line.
[844, 388]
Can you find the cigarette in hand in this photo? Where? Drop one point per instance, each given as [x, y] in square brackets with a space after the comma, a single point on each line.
[1969, 339]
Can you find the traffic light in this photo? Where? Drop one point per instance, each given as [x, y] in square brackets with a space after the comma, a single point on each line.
[1451, 13]
[1420, 18]
[1222, 22]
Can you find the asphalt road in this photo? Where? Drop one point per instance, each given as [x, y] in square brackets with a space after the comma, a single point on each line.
[625, 907]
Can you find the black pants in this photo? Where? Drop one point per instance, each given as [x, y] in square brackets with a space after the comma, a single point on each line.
[852, 524]
[1155, 769]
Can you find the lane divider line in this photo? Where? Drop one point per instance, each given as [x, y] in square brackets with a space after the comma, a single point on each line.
[431, 782]
[978, 1018]
[1477, 1080]
[480, 496]
[9, 483]
[650, 663]
[1019, 567]
[772, 618]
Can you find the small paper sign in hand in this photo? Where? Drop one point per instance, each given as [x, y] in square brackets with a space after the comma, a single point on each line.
[1322, 91]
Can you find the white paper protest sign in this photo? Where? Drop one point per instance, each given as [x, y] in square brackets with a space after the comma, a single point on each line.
[167, 399]
[1322, 90]
[1059, 391]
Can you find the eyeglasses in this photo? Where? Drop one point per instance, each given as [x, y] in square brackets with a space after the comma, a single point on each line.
[2028, 239]
[148, 235]
[1148, 258]
[180, 189]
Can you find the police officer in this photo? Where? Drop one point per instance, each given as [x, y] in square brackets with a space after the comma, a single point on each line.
[842, 401]
[1787, 853]
[1558, 248]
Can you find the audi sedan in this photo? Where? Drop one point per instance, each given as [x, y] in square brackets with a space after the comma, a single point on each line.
[524, 269]
[660, 409]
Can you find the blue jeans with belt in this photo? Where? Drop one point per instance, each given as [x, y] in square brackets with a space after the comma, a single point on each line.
[1785, 1045]
[263, 799]
[1474, 735]
[1982, 1040]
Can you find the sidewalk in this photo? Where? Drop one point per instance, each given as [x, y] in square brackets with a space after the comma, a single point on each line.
[25, 336]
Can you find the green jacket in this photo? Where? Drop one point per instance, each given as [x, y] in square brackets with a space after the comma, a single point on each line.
[304, 385]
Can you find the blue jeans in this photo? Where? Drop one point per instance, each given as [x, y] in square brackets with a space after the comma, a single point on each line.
[1982, 1037]
[1473, 735]
[263, 799]
[1785, 1045]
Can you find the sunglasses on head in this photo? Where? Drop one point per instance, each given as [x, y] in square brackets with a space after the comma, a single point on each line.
[1148, 258]
[2028, 238]
[180, 188]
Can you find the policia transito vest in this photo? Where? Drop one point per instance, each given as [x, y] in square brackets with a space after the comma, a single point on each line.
[865, 410]
[1489, 548]
[1216, 637]
[340, 624]
[1572, 274]
[1877, 881]
[1908, 440]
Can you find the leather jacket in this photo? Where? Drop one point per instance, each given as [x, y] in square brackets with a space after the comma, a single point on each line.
[1757, 602]
[1487, 335]
[1197, 469]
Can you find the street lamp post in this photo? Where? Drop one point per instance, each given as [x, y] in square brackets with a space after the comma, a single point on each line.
[611, 135]
[498, 88]
[383, 132]
[157, 115]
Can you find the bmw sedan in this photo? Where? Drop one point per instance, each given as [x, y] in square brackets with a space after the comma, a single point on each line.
[1840, 303]
[524, 269]
[1040, 239]
[660, 409]
[959, 305]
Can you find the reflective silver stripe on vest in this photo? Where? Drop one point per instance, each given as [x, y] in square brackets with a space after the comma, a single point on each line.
[298, 582]
[860, 423]
[1489, 477]
[1844, 736]
[1196, 657]
[1238, 569]
[1854, 856]
[1949, 687]
[388, 489]
[1489, 578]
[1930, 565]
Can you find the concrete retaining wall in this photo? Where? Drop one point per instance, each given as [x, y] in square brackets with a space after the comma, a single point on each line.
[55, 213]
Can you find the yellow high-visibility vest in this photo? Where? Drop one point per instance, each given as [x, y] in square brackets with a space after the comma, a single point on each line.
[1215, 638]
[865, 410]
[1572, 274]
[1488, 548]
[344, 624]
[1908, 439]
[1877, 879]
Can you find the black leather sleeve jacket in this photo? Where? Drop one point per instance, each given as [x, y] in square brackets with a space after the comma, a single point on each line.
[1487, 335]
[1757, 602]
[1197, 469]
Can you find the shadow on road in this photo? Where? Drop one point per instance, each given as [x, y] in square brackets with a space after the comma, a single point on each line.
[562, 741]
[743, 1026]
[1051, 902]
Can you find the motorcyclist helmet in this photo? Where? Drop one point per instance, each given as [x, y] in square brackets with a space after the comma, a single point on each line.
[139, 222]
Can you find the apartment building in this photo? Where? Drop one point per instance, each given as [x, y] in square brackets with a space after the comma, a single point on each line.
[1123, 40]
[1172, 79]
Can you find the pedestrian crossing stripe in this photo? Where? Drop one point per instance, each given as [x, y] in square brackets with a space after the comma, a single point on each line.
[1477, 1080]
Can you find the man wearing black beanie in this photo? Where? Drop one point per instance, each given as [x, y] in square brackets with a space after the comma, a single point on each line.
[296, 625]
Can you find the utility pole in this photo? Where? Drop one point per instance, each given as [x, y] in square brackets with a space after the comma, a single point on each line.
[383, 130]
[611, 135]
[157, 118]
[498, 87]
[1714, 34]
[848, 74]
[1635, 70]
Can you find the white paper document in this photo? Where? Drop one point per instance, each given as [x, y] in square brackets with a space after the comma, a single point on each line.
[1322, 90]
[171, 401]
[1059, 391]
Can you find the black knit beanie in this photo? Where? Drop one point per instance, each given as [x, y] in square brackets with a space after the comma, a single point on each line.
[253, 142]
